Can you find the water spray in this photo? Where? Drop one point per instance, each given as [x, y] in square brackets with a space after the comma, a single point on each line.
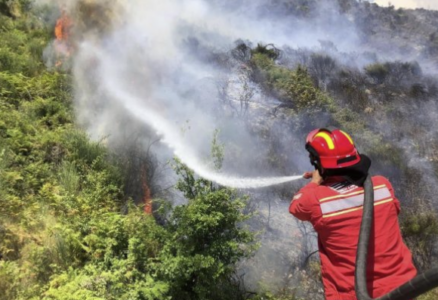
[171, 138]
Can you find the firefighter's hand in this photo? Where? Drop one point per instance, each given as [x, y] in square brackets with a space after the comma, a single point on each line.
[316, 177]
[307, 175]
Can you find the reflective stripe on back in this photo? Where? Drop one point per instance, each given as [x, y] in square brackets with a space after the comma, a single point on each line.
[348, 194]
[342, 204]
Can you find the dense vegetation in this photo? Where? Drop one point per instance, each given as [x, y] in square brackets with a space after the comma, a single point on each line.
[69, 229]
[62, 231]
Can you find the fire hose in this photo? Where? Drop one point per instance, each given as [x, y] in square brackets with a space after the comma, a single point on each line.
[411, 289]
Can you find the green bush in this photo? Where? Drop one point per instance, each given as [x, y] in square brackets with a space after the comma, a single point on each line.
[378, 72]
[293, 86]
[206, 241]
[9, 272]
[420, 230]
[116, 250]
[62, 233]
[23, 40]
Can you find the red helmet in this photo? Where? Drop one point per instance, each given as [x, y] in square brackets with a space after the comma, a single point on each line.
[331, 149]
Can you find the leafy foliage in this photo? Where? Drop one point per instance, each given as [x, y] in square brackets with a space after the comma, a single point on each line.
[62, 235]
[420, 228]
[207, 239]
[295, 86]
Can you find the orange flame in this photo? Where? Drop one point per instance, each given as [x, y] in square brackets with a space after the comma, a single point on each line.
[147, 199]
[62, 33]
[63, 27]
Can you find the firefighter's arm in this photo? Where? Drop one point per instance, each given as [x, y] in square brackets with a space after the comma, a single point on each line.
[301, 205]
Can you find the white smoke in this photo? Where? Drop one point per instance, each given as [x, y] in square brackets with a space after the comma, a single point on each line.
[159, 63]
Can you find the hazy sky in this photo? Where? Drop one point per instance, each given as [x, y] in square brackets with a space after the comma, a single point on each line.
[428, 4]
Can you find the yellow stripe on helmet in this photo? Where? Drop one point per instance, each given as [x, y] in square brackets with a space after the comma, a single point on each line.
[327, 138]
[348, 137]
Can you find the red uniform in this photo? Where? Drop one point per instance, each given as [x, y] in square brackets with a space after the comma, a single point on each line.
[335, 210]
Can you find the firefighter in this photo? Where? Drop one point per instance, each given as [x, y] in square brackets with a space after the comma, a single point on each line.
[332, 203]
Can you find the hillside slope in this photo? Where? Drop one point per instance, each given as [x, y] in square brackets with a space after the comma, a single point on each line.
[68, 225]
